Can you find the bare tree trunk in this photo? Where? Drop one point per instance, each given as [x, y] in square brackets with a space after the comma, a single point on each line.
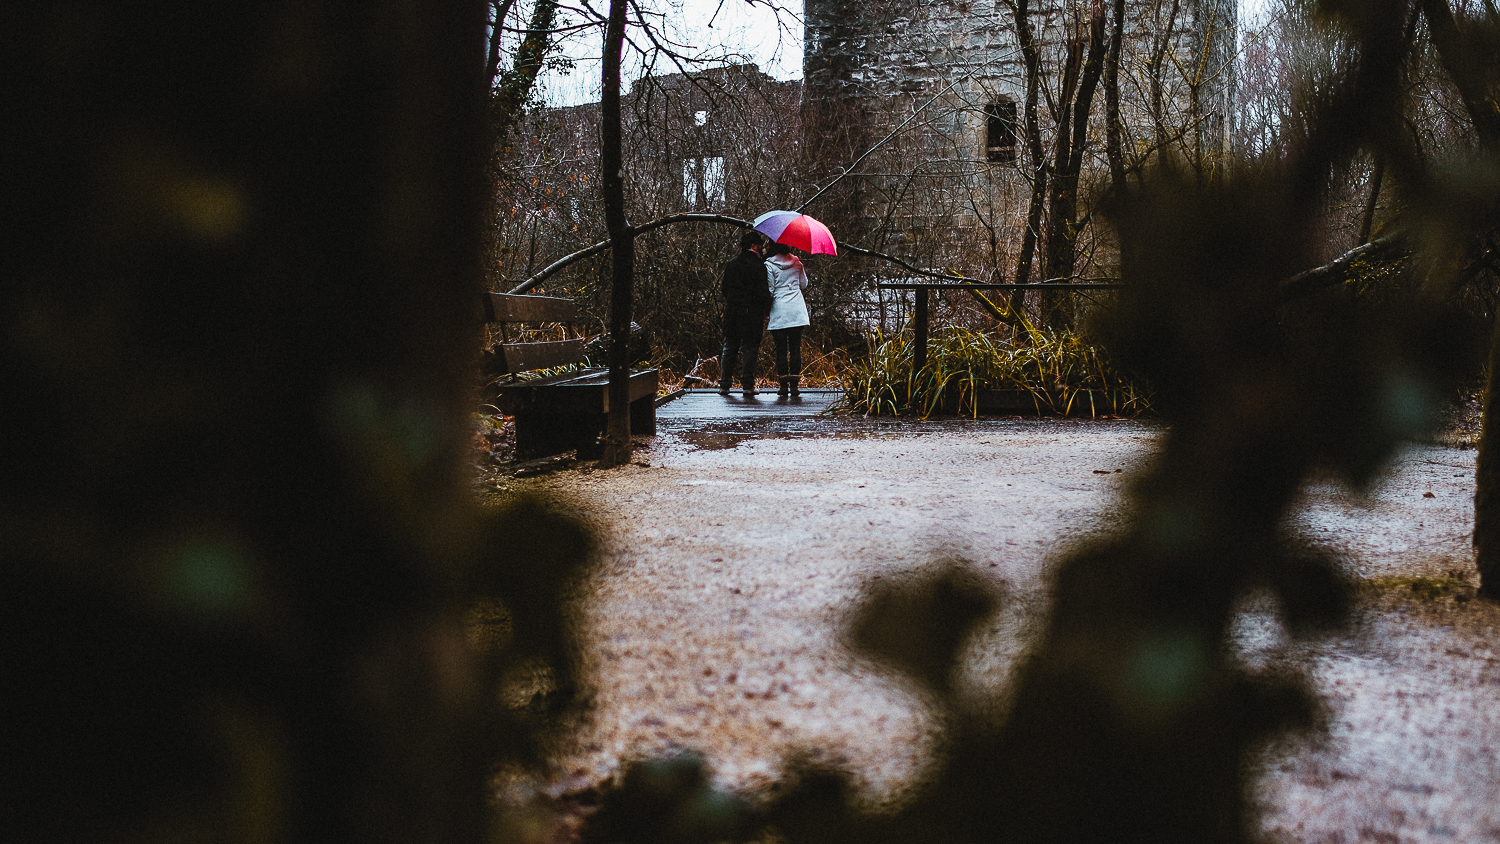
[1487, 486]
[622, 245]
[508, 94]
[1114, 128]
[1156, 69]
[1465, 70]
[500, 10]
[1033, 60]
[1369, 221]
[1079, 84]
[512, 89]
[1468, 78]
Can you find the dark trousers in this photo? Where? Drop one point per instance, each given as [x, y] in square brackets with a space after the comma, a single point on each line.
[788, 350]
[742, 334]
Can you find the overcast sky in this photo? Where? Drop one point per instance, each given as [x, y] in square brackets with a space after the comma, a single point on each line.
[708, 29]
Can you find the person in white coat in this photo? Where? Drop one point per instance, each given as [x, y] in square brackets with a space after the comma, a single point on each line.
[788, 314]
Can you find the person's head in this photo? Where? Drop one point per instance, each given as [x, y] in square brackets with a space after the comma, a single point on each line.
[778, 249]
[751, 240]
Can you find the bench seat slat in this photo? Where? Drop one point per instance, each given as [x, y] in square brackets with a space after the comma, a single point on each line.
[524, 357]
[642, 383]
[579, 392]
[507, 308]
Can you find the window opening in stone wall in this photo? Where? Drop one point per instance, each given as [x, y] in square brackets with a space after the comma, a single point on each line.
[703, 182]
[1000, 132]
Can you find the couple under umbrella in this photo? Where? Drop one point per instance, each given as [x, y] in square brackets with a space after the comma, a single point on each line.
[763, 286]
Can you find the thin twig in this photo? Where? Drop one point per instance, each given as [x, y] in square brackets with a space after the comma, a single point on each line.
[603, 245]
[720, 219]
[894, 132]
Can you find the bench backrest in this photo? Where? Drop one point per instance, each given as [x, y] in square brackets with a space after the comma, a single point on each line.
[511, 358]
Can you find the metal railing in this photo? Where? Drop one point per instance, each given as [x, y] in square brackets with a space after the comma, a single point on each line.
[922, 288]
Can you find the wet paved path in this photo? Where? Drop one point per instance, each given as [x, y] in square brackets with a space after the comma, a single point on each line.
[739, 540]
[698, 406]
[705, 419]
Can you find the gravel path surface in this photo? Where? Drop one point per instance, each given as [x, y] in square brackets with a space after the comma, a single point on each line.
[734, 554]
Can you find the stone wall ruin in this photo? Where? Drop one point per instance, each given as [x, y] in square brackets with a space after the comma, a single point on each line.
[953, 183]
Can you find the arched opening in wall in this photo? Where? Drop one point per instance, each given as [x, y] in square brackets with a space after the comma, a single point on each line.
[703, 183]
[1000, 132]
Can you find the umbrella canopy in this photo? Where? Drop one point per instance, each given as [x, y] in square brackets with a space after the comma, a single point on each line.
[798, 231]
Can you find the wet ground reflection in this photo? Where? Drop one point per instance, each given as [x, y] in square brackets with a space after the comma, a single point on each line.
[706, 420]
[715, 620]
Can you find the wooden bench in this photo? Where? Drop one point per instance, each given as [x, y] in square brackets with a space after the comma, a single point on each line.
[556, 413]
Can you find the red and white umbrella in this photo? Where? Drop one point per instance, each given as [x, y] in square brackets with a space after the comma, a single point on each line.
[798, 231]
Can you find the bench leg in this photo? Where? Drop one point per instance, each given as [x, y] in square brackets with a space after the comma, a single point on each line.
[643, 416]
[545, 434]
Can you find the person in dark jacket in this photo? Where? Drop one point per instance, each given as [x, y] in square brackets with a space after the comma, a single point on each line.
[747, 303]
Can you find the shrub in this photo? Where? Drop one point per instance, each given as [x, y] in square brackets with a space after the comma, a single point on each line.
[1063, 372]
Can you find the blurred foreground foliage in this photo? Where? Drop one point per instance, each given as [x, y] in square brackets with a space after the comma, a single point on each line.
[260, 604]
[1129, 719]
[239, 552]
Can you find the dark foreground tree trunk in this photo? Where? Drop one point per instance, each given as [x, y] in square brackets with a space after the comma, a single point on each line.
[249, 230]
[1469, 77]
[1487, 488]
[622, 245]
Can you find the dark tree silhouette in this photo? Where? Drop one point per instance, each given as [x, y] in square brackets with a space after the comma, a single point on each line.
[241, 326]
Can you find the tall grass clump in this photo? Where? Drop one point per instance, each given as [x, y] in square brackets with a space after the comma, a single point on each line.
[1060, 371]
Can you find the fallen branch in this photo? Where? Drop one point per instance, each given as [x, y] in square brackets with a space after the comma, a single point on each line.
[1337, 270]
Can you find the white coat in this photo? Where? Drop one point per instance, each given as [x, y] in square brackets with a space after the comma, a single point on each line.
[787, 279]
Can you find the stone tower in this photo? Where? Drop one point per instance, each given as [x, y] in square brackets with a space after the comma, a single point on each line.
[949, 74]
[877, 50]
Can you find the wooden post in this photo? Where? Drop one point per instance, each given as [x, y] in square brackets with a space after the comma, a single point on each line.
[920, 358]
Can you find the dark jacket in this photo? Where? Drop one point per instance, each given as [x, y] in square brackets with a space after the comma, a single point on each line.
[745, 283]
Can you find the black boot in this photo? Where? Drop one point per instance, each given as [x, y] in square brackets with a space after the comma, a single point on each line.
[786, 386]
[747, 376]
[728, 359]
[791, 383]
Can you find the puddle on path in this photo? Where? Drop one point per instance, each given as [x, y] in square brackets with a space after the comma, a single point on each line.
[716, 440]
[712, 435]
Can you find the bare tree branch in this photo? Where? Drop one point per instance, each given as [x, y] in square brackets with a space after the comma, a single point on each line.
[882, 142]
[603, 245]
[723, 219]
[492, 62]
